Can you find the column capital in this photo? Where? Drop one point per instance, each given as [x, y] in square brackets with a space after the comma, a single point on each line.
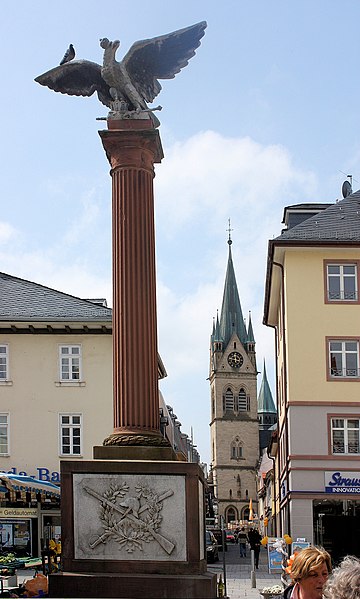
[132, 147]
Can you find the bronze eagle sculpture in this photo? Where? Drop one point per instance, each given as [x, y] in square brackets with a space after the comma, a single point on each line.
[133, 81]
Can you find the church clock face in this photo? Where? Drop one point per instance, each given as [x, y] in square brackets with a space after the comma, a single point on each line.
[235, 359]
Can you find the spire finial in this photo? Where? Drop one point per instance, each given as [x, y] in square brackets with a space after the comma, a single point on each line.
[229, 231]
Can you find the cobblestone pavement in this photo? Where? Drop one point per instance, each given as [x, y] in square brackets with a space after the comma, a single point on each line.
[238, 573]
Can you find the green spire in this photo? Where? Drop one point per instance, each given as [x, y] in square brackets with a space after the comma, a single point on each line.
[265, 399]
[231, 319]
[250, 333]
[217, 336]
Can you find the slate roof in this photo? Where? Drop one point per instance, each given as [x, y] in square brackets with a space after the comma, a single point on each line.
[251, 338]
[22, 300]
[231, 318]
[265, 400]
[339, 222]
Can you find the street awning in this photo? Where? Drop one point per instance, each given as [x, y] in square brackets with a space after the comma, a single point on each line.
[28, 483]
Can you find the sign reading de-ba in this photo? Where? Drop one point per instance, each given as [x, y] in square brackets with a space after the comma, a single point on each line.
[342, 482]
[41, 474]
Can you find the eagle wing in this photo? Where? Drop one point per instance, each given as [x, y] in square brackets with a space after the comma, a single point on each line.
[77, 78]
[161, 58]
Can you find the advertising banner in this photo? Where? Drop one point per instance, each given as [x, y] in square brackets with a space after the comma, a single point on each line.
[343, 482]
[276, 547]
[298, 545]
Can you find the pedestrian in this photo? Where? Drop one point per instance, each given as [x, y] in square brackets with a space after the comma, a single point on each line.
[242, 540]
[254, 540]
[309, 572]
[344, 583]
[236, 533]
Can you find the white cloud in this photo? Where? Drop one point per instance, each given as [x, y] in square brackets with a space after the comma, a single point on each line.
[218, 174]
[202, 182]
[80, 226]
[7, 233]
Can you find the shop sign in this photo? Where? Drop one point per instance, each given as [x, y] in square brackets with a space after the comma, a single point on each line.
[41, 474]
[17, 512]
[283, 489]
[342, 482]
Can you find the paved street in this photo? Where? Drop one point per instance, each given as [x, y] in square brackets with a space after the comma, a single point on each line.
[238, 573]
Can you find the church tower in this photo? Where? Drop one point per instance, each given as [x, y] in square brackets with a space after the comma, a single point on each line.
[234, 427]
[266, 411]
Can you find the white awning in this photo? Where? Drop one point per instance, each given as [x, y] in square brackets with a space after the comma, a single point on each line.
[28, 483]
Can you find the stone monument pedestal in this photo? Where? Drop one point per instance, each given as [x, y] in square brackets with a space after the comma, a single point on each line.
[132, 529]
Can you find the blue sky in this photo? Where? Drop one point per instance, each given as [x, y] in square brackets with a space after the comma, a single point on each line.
[265, 115]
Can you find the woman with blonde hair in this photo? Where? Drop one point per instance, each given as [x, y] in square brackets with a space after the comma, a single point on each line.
[309, 573]
[344, 583]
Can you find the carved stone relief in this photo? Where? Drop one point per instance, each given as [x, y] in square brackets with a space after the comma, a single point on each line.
[129, 517]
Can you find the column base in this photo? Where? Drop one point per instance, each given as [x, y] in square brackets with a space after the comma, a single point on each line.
[135, 438]
[136, 586]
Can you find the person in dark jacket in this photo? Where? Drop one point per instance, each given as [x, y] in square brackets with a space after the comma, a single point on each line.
[309, 572]
[254, 541]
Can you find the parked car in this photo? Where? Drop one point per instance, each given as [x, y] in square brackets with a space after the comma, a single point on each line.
[230, 537]
[212, 551]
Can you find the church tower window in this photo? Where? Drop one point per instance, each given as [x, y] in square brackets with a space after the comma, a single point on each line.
[228, 401]
[236, 449]
[243, 401]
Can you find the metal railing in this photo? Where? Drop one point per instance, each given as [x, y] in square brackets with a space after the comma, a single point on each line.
[343, 295]
[345, 372]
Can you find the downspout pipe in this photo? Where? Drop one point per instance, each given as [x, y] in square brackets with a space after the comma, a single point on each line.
[279, 265]
[277, 487]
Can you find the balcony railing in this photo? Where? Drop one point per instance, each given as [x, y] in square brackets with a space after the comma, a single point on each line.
[340, 448]
[345, 373]
[343, 296]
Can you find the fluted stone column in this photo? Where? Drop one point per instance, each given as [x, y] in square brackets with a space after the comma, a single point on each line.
[132, 147]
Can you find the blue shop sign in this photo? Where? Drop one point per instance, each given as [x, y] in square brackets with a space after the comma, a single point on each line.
[342, 482]
[41, 474]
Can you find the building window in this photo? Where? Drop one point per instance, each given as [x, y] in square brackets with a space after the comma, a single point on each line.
[70, 434]
[238, 485]
[70, 362]
[345, 435]
[228, 401]
[231, 515]
[344, 358]
[4, 362]
[236, 449]
[341, 282]
[243, 401]
[4, 434]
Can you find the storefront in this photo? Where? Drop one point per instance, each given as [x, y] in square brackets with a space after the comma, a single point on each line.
[29, 512]
[18, 530]
[337, 514]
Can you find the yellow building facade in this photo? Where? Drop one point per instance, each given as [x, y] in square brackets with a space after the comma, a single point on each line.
[312, 302]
